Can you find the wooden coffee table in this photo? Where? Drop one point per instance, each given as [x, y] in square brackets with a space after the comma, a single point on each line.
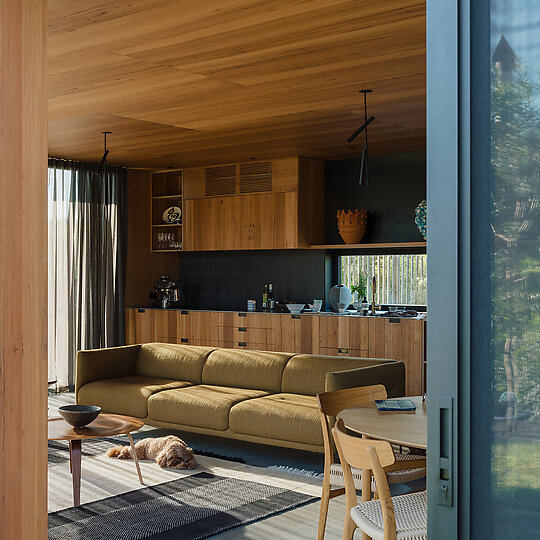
[105, 425]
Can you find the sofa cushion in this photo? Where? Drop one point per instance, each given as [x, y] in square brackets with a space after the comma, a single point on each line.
[257, 370]
[172, 361]
[125, 395]
[306, 373]
[289, 417]
[203, 406]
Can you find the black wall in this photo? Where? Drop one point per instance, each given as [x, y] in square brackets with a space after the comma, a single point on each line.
[226, 279]
[397, 183]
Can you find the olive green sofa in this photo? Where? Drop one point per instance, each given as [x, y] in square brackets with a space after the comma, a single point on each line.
[257, 396]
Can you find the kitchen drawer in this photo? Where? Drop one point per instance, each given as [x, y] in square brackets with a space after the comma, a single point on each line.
[334, 351]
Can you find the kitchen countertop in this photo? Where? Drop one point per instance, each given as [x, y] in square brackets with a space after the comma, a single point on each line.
[329, 313]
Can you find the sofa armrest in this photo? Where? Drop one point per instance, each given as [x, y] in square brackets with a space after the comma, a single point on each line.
[97, 364]
[391, 374]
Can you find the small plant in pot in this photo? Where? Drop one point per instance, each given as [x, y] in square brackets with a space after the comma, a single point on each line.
[360, 289]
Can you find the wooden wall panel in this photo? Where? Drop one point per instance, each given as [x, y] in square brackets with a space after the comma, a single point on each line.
[23, 270]
[143, 267]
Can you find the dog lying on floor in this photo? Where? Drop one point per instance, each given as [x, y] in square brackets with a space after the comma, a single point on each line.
[169, 452]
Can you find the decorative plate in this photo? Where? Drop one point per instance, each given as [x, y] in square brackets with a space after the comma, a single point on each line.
[420, 219]
[172, 215]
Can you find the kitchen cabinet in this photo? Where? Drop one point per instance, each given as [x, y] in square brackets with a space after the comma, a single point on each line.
[275, 204]
[211, 224]
[139, 326]
[297, 332]
[255, 331]
[400, 339]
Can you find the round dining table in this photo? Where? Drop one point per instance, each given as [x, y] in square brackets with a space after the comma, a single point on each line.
[404, 428]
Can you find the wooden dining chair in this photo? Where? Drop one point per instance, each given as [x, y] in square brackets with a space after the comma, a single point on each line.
[407, 468]
[388, 517]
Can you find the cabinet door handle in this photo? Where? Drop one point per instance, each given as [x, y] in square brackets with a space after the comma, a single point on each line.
[242, 329]
[295, 317]
[184, 340]
[242, 343]
[141, 310]
[242, 314]
[342, 350]
[184, 312]
[395, 321]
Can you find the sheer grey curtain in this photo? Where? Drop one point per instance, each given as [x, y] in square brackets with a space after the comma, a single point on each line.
[86, 226]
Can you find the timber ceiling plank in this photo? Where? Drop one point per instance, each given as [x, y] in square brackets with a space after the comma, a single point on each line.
[184, 83]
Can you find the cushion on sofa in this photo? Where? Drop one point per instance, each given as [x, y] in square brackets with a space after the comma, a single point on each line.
[172, 361]
[205, 406]
[125, 395]
[306, 373]
[289, 417]
[257, 370]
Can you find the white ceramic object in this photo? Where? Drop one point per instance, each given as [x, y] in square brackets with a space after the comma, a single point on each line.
[172, 215]
[295, 308]
[339, 294]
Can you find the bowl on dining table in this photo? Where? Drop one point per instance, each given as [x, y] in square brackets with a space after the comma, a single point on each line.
[79, 415]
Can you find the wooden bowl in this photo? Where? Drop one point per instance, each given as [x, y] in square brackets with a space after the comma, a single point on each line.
[352, 225]
[79, 415]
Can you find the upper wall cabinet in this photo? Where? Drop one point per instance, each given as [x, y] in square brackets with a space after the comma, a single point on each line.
[275, 204]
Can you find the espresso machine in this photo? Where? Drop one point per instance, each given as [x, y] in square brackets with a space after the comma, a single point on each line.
[168, 293]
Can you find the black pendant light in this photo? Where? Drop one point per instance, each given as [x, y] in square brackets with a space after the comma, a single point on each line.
[103, 164]
[363, 180]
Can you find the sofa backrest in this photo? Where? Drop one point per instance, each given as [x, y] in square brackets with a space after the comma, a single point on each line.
[172, 361]
[306, 373]
[257, 370]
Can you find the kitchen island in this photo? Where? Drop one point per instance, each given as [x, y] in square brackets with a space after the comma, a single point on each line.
[310, 333]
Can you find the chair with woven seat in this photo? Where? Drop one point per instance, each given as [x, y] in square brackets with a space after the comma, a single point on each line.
[403, 517]
[407, 467]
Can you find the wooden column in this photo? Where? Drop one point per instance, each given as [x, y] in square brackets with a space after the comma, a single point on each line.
[23, 270]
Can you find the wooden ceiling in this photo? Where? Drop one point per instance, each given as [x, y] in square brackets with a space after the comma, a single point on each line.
[194, 82]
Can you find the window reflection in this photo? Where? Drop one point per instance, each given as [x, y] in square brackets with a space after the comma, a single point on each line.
[515, 159]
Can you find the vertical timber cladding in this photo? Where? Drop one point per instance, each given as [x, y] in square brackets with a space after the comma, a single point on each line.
[23, 270]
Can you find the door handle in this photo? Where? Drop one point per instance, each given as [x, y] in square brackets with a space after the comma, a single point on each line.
[445, 451]
[242, 329]
[342, 350]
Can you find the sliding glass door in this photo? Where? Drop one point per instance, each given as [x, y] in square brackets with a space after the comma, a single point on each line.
[484, 283]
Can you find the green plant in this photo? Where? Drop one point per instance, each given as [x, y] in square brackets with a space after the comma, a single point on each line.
[361, 287]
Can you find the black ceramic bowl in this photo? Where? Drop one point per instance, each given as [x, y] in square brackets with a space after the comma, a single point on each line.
[79, 415]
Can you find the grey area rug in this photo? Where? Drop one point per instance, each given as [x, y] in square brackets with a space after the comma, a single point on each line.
[58, 450]
[189, 508]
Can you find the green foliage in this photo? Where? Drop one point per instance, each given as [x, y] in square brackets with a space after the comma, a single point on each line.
[361, 287]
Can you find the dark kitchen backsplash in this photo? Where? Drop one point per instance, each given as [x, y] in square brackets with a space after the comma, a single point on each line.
[227, 279]
[397, 183]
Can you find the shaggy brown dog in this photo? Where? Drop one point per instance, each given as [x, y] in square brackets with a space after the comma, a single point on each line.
[169, 452]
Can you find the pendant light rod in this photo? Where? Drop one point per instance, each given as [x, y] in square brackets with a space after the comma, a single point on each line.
[105, 151]
[367, 120]
[360, 129]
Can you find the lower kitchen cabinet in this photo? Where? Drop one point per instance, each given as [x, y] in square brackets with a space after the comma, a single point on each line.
[297, 333]
[400, 339]
[332, 335]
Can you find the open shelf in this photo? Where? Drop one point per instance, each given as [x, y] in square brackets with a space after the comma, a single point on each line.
[386, 245]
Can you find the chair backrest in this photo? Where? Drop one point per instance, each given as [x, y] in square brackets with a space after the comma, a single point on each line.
[367, 454]
[332, 403]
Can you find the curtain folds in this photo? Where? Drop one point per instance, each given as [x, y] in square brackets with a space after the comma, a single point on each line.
[86, 235]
